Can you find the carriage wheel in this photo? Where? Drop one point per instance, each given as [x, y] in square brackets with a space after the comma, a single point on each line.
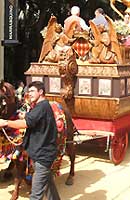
[118, 147]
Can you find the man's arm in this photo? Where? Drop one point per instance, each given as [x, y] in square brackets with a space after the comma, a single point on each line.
[18, 124]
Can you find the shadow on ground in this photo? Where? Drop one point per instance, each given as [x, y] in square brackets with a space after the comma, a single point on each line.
[80, 190]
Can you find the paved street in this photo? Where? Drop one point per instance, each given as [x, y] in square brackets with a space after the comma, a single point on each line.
[95, 178]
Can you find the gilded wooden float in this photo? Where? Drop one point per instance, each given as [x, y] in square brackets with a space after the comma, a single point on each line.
[125, 2]
[102, 91]
[91, 77]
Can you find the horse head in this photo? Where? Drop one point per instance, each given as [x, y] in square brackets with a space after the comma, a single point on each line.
[7, 99]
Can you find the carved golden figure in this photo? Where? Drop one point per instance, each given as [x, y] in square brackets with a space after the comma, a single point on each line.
[125, 2]
[57, 48]
[68, 69]
[56, 42]
[105, 44]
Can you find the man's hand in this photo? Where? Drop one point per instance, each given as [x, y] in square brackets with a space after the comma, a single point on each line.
[3, 123]
[21, 115]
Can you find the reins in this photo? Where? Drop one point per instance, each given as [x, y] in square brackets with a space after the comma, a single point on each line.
[10, 138]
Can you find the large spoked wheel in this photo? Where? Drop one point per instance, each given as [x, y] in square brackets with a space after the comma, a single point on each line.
[118, 147]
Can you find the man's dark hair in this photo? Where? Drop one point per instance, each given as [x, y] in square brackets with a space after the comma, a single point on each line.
[38, 84]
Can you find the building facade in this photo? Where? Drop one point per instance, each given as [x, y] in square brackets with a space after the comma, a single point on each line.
[1, 38]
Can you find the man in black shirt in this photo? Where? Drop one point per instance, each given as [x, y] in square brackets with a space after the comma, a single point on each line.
[39, 141]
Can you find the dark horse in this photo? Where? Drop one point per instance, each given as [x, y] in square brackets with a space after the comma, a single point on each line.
[7, 99]
[7, 107]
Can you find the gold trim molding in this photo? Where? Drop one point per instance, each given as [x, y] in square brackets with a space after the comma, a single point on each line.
[93, 70]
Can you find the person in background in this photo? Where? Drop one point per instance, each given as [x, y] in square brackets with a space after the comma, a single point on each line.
[127, 19]
[40, 141]
[127, 23]
[75, 17]
[20, 91]
[100, 18]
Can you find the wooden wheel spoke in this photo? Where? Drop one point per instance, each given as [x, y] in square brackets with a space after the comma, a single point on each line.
[118, 147]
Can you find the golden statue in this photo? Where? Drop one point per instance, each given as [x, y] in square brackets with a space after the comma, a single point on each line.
[56, 42]
[125, 2]
[105, 44]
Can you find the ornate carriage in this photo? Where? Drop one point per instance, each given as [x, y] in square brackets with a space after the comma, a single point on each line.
[91, 77]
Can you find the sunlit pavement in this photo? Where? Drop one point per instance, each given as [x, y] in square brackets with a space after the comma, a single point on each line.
[96, 178]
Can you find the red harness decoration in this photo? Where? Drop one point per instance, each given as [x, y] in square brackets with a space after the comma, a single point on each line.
[7, 150]
[62, 135]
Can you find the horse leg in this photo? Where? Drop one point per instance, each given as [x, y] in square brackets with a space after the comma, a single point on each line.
[20, 174]
[15, 194]
[70, 147]
[8, 171]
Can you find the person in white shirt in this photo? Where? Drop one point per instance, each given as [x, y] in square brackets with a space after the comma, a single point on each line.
[75, 17]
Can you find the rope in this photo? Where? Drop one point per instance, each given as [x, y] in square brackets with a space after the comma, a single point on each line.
[9, 138]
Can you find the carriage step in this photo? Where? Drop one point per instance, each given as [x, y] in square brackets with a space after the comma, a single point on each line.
[85, 135]
[95, 133]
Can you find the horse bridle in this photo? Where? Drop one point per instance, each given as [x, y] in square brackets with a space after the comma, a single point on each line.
[17, 141]
[3, 111]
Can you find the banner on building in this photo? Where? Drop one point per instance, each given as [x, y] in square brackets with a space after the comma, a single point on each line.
[11, 22]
